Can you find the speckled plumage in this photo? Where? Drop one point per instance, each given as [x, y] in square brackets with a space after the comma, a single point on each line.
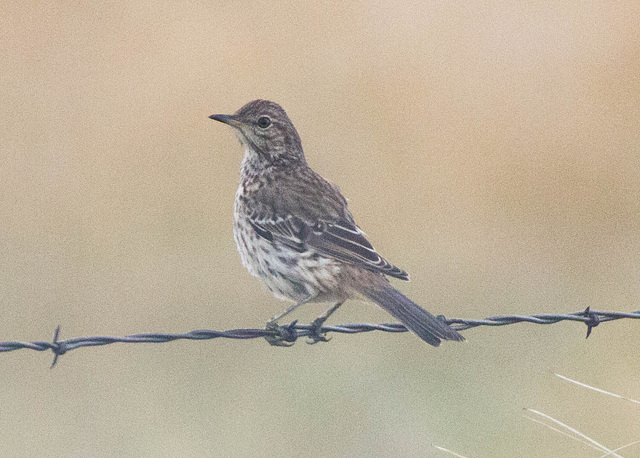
[294, 231]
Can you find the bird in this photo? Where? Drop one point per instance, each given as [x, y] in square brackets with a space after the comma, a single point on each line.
[294, 231]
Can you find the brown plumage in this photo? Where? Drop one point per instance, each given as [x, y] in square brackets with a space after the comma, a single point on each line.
[294, 230]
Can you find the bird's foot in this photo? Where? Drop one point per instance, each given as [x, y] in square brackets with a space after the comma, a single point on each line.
[283, 336]
[315, 331]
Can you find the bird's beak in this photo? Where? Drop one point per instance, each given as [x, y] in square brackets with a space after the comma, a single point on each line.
[222, 118]
[227, 119]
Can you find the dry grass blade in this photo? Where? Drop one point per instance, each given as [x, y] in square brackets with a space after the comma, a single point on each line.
[564, 433]
[620, 448]
[574, 431]
[442, 449]
[584, 385]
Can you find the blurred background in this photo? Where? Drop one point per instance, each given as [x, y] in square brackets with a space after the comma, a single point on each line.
[491, 149]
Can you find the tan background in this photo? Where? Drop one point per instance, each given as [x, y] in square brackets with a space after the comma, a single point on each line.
[492, 149]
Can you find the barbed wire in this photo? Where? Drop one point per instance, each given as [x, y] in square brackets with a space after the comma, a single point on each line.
[288, 334]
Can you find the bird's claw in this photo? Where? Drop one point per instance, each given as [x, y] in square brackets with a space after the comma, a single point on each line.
[283, 336]
[315, 335]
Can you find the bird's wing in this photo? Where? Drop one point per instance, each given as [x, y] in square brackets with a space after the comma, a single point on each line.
[339, 239]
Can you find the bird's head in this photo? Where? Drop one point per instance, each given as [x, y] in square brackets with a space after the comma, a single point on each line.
[266, 132]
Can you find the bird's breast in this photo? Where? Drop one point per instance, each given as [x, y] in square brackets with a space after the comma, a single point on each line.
[288, 273]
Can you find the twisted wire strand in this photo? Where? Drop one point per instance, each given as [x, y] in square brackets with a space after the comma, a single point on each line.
[291, 332]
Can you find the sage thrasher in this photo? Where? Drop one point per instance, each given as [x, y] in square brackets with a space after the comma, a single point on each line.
[295, 233]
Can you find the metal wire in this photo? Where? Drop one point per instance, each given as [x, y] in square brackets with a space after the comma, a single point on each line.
[288, 334]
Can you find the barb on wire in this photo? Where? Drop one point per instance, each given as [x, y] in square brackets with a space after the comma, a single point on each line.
[291, 332]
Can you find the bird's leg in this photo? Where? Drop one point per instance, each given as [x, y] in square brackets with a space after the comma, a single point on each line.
[275, 318]
[282, 339]
[316, 325]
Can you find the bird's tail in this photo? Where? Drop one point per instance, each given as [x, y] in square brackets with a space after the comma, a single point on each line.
[415, 318]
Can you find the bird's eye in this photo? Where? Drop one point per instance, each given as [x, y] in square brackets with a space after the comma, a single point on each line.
[264, 122]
